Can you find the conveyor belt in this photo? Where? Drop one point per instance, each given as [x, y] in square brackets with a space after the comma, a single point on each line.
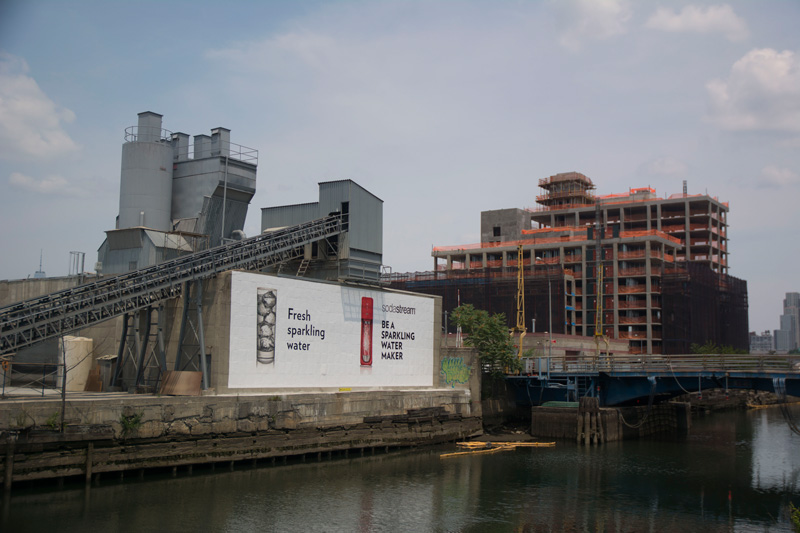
[25, 323]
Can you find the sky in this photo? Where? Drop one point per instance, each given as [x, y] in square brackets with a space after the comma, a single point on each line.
[442, 109]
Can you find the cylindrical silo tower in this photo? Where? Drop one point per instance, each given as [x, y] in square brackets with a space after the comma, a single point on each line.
[145, 193]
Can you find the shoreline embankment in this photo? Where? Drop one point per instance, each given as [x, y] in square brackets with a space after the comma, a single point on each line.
[123, 432]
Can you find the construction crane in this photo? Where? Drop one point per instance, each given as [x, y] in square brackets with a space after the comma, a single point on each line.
[598, 252]
[520, 326]
[598, 321]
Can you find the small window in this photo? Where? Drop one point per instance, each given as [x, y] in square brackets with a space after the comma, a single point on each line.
[496, 231]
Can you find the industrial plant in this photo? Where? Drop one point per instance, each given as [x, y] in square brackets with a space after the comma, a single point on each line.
[182, 208]
[177, 197]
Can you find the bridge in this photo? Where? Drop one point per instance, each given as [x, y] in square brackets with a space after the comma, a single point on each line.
[627, 380]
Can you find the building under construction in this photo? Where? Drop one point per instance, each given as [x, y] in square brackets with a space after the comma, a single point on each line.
[631, 266]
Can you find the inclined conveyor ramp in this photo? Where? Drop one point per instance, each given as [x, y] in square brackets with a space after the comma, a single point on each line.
[31, 321]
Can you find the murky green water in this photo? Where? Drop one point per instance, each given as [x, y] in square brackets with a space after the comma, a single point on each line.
[735, 472]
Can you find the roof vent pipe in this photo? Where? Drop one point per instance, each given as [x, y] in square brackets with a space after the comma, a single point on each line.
[202, 146]
[141, 218]
[149, 129]
[180, 146]
[220, 142]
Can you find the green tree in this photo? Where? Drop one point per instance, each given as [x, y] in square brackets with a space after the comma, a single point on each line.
[711, 348]
[794, 515]
[489, 334]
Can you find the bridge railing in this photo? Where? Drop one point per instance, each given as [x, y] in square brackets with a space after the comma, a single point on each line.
[665, 363]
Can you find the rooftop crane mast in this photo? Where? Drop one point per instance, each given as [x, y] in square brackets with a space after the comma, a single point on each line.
[520, 326]
[598, 255]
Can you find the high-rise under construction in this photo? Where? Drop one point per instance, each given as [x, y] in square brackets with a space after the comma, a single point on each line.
[633, 266]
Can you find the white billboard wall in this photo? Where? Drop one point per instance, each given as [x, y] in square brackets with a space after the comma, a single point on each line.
[289, 333]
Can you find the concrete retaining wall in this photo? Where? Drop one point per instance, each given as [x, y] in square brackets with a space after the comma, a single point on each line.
[129, 432]
[459, 369]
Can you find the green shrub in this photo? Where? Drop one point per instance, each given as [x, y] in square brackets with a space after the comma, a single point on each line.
[130, 423]
[53, 421]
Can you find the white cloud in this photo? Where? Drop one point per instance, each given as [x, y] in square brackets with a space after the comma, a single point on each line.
[31, 124]
[694, 19]
[794, 142]
[593, 20]
[391, 88]
[762, 92]
[53, 184]
[773, 177]
[665, 166]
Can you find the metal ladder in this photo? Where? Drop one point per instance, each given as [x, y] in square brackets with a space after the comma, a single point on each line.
[301, 271]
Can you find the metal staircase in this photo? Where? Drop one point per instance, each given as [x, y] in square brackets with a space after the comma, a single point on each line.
[25, 323]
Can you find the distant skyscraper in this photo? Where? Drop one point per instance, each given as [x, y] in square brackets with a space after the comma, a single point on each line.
[787, 338]
[761, 343]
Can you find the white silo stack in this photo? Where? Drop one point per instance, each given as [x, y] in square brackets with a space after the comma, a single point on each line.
[145, 196]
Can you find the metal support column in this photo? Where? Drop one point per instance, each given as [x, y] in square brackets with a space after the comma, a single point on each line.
[200, 335]
[141, 345]
[121, 351]
[184, 319]
[188, 351]
[162, 353]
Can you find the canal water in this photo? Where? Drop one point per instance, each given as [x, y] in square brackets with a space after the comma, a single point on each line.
[734, 472]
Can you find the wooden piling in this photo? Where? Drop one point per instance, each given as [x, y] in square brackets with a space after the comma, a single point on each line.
[590, 423]
[587, 431]
[89, 461]
[9, 470]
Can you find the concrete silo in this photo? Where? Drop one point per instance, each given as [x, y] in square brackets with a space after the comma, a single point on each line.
[145, 195]
[176, 197]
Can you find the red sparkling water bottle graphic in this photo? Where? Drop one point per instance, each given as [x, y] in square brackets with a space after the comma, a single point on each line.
[366, 331]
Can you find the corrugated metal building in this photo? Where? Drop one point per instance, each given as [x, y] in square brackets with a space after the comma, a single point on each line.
[358, 254]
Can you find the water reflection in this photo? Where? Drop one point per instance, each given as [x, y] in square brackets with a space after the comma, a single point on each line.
[735, 472]
[775, 465]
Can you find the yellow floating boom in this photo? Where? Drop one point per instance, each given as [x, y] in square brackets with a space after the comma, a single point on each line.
[477, 448]
[478, 444]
